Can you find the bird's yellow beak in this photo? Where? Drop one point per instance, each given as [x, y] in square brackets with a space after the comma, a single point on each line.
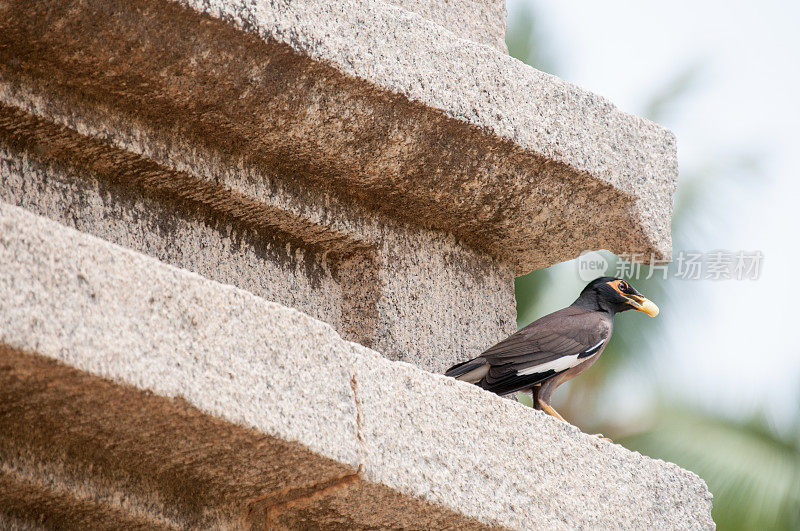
[644, 305]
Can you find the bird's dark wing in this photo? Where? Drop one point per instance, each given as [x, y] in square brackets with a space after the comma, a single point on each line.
[553, 344]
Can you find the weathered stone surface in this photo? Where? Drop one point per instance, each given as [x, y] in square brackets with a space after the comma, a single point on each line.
[539, 113]
[78, 451]
[498, 461]
[165, 461]
[382, 166]
[352, 160]
[408, 434]
[124, 316]
[482, 21]
[355, 98]
[415, 294]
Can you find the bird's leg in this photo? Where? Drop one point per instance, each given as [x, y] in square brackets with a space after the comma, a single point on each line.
[541, 399]
[550, 410]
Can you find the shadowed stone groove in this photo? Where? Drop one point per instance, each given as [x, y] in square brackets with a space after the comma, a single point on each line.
[359, 273]
[65, 147]
[176, 198]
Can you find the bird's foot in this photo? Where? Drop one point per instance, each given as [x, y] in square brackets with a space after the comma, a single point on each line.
[550, 410]
[601, 436]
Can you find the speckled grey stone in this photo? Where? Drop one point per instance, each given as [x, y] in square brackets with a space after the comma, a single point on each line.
[539, 112]
[115, 313]
[382, 166]
[482, 21]
[359, 99]
[454, 444]
[124, 316]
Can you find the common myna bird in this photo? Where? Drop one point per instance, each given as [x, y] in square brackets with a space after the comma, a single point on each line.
[559, 346]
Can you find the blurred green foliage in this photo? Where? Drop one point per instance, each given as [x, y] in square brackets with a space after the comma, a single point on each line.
[751, 467]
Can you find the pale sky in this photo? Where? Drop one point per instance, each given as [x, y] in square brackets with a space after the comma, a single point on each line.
[738, 348]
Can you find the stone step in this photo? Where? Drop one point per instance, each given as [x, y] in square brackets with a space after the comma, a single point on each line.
[148, 390]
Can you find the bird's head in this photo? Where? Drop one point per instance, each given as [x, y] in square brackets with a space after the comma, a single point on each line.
[614, 295]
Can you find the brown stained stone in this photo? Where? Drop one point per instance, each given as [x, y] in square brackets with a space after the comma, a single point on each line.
[112, 442]
[32, 505]
[361, 162]
[80, 451]
[137, 203]
[359, 504]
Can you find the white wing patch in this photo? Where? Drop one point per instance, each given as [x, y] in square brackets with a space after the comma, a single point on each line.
[561, 364]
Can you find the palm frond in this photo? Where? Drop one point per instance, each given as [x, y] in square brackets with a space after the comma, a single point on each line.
[753, 472]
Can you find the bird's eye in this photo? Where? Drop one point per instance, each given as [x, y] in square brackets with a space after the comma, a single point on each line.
[624, 286]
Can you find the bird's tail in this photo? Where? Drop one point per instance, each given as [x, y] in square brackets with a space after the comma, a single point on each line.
[469, 371]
